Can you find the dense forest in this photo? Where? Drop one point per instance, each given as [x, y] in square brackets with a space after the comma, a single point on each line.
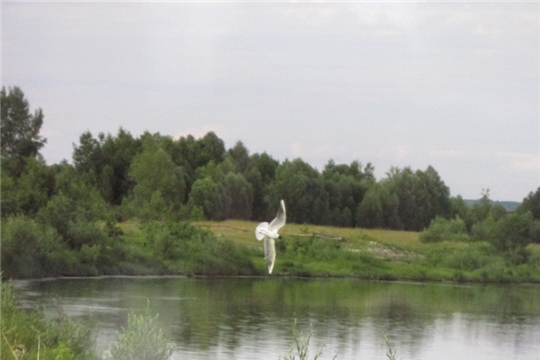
[154, 177]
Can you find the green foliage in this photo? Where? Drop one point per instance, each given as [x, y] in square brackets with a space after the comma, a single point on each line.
[441, 229]
[157, 178]
[192, 250]
[300, 347]
[303, 190]
[20, 130]
[240, 195]
[512, 235]
[531, 203]
[153, 170]
[61, 339]
[422, 195]
[106, 161]
[379, 208]
[470, 258]
[28, 248]
[206, 194]
[142, 339]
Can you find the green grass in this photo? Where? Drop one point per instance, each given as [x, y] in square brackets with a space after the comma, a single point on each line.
[229, 248]
[325, 251]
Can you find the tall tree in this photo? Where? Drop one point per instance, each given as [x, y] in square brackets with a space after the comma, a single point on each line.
[531, 203]
[153, 170]
[211, 147]
[240, 193]
[260, 174]
[301, 186]
[240, 156]
[20, 130]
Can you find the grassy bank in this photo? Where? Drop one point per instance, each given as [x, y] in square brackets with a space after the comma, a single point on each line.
[378, 254]
[229, 248]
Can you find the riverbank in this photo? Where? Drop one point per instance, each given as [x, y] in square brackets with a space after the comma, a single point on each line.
[229, 248]
[325, 251]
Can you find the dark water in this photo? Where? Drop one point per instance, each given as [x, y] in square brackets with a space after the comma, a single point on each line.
[246, 318]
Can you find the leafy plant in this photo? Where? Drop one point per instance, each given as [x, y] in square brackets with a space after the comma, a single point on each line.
[443, 229]
[142, 339]
[28, 335]
[300, 348]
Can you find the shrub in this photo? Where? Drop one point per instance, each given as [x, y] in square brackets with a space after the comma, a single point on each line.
[28, 248]
[511, 236]
[42, 339]
[198, 250]
[483, 230]
[301, 346]
[469, 258]
[141, 339]
[441, 229]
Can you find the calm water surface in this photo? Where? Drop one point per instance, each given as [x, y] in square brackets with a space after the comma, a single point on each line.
[252, 318]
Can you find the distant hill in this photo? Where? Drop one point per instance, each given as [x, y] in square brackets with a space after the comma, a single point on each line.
[508, 205]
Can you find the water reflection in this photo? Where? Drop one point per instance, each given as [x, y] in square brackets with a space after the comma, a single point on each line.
[217, 318]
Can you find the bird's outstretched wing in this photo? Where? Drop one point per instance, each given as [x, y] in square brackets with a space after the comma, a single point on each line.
[269, 253]
[280, 219]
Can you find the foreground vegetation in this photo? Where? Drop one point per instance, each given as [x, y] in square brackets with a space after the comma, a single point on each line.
[27, 334]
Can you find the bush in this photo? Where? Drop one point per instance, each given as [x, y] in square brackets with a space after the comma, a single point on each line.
[141, 340]
[441, 229]
[27, 248]
[512, 235]
[58, 339]
[198, 251]
[470, 258]
[483, 230]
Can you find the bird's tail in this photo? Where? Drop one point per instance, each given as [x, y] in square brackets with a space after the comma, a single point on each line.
[258, 230]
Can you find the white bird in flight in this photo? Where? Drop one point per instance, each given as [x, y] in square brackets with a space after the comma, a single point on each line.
[269, 232]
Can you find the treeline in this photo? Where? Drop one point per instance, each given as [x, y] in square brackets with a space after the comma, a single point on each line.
[155, 177]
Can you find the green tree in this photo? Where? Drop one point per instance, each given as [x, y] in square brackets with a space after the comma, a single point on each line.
[260, 174]
[301, 186]
[117, 153]
[346, 186]
[29, 249]
[20, 130]
[30, 191]
[240, 193]
[240, 156]
[152, 170]
[106, 161]
[87, 157]
[438, 195]
[512, 235]
[482, 209]
[210, 147]
[461, 209]
[379, 208]
[208, 195]
[531, 203]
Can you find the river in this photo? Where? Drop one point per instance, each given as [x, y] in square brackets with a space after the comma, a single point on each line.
[252, 318]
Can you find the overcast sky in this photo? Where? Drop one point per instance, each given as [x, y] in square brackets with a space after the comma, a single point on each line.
[451, 85]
